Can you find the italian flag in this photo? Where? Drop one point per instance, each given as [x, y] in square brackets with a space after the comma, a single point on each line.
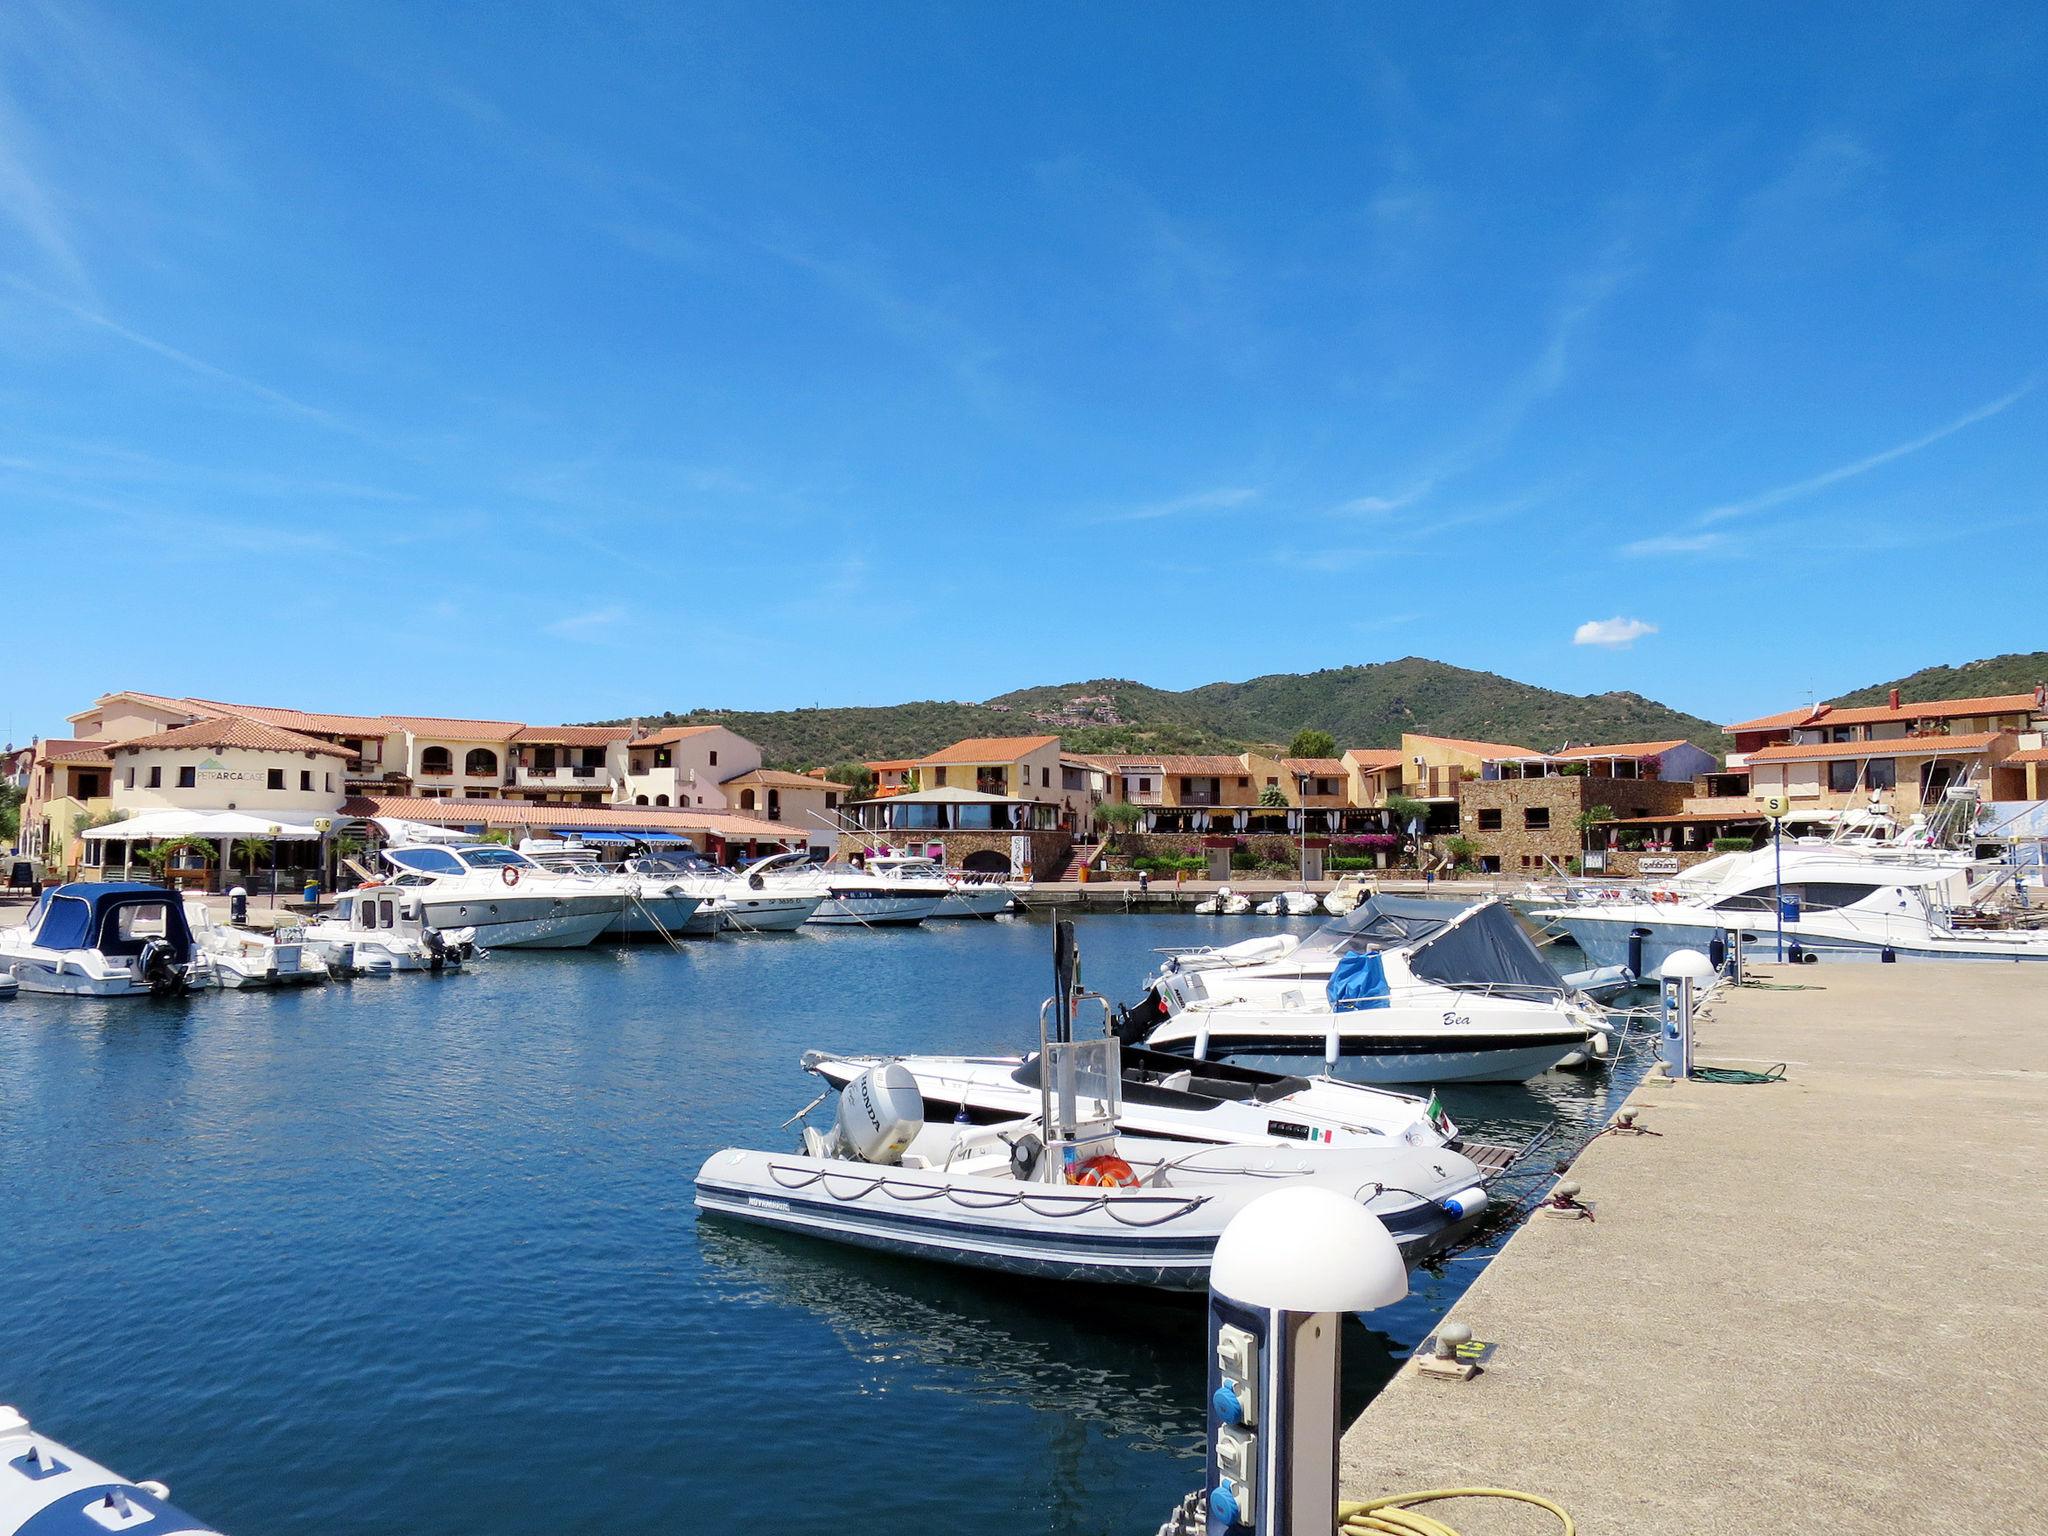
[1438, 1119]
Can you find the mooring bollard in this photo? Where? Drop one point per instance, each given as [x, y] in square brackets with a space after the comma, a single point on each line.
[1288, 1267]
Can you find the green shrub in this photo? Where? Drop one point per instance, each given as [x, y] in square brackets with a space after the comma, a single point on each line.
[1243, 858]
[1734, 844]
[1349, 861]
[1170, 863]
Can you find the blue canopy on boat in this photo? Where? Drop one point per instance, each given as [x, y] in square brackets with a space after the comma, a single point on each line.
[1359, 981]
[113, 918]
[579, 835]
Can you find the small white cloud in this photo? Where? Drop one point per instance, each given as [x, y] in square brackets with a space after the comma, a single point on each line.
[586, 626]
[1371, 505]
[1677, 544]
[1221, 499]
[1616, 633]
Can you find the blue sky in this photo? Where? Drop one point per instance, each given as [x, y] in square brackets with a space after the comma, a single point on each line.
[570, 361]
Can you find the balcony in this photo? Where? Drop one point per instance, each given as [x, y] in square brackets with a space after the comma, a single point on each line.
[584, 778]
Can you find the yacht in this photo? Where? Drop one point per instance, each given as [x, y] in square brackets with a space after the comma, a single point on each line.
[656, 908]
[733, 902]
[378, 931]
[104, 940]
[508, 900]
[1842, 900]
[850, 896]
[965, 897]
[240, 957]
[1399, 990]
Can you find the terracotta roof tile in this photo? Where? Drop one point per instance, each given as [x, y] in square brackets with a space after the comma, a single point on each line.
[1376, 759]
[532, 813]
[1935, 709]
[1321, 767]
[990, 749]
[439, 728]
[779, 779]
[1482, 748]
[298, 719]
[1637, 749]
[891, 765]
[669, 735]
[570, 735]
[1857, 751]
[1784, 720]
[2029, 755]
[232, 731]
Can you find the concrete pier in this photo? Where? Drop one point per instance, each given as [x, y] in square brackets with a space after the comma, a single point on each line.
[1813, 1305]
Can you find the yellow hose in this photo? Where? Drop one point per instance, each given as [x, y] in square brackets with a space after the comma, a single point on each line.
[1393, 1516]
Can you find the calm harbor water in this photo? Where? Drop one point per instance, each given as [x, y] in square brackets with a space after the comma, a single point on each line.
[419, 1254]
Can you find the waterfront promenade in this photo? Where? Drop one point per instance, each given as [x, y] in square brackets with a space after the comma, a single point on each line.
[1809, 1305]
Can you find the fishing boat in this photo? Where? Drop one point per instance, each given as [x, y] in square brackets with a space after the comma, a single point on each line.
[104, 940]
[505, 898]
[238, 957]
[1399, 990]
[1062, 1194]
[379, 932]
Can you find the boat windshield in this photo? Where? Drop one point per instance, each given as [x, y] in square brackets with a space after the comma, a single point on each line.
[491, 857]
[66, 922]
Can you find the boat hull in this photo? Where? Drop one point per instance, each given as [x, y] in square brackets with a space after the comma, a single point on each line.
[874, 909]
[767, 914]
[976, 901]
[1380, 1046]
[550, 922]
[1160, 1238]
[1611, 941]
[674, 914]
[66, 979]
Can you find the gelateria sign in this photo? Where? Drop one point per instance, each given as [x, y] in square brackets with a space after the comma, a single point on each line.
[214, 772]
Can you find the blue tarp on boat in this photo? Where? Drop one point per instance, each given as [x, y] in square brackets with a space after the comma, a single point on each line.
[1359, 981]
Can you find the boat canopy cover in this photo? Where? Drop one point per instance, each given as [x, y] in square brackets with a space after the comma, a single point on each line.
[1359, 981]
[114, 919]
[1388, 922]
[1489, 948]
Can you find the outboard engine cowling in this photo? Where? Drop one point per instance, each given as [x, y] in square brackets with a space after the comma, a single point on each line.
[880, 1113]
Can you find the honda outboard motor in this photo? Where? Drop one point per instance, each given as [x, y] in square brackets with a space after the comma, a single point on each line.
[880, 1114]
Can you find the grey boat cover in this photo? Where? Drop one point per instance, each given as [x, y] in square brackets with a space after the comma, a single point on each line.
[1487, 949]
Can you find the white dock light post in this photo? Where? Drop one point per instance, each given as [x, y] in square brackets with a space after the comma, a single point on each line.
[1288, 1267]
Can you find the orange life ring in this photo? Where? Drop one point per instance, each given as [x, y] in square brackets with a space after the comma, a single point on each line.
[1107, 1171]
[509, 874]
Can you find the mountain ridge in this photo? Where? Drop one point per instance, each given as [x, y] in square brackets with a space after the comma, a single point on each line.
[1367, 705]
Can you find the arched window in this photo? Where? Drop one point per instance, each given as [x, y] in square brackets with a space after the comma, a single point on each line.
[661, 799]
[482, 763]
[436, 760]
[639, 799]
[746, 799]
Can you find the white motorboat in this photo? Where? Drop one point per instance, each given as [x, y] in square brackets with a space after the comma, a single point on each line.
[1169, 1098]
[849, 896]
[1225, 903]
[111, 940]
[1063, 1194]
[1843, 899]
[1346, 894]
[658, 905]
[1290, 904]
[1399, 990]
[378, 931]
[240, 957]
[965, 897]
[509, 901]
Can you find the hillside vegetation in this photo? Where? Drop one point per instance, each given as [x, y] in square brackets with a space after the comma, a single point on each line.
[1362, 706]
[2014, 673]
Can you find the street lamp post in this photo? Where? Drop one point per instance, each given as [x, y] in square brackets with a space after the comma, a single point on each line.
[275, 830]
[1775, 807]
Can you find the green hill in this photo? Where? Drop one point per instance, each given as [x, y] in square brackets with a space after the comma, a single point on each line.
[1363, 706]
[2015, 673]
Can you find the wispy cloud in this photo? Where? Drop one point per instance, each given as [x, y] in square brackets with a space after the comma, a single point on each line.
[1372, 506]
[197, 366]
[1220, 498]
[1616, 634]
[1779, 495]
[1678, 544]
[592, 625]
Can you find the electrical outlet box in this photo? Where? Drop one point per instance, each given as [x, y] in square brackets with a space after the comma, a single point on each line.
[1237, 1362]
[1237, 1463]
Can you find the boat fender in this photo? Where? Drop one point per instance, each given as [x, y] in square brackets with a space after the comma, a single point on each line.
[1466, 1202]
[1025, 1152]
[1106, 1171]
[509, 875]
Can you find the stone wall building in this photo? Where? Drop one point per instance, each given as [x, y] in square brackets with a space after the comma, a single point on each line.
[1531, 825]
